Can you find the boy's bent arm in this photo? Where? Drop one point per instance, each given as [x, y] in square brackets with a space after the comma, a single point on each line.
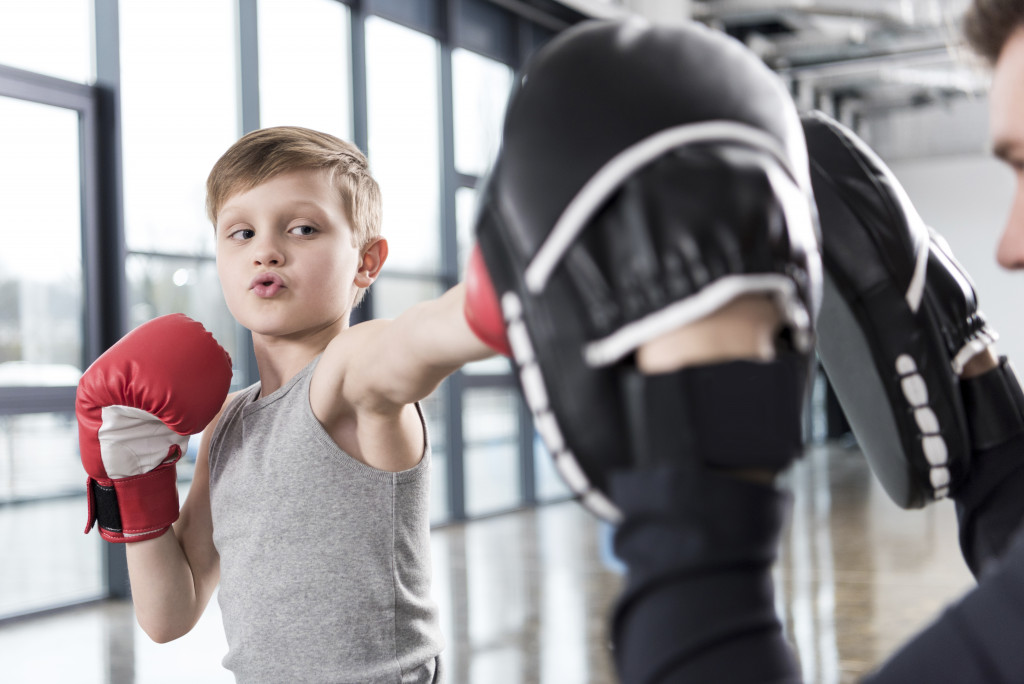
[174, 575]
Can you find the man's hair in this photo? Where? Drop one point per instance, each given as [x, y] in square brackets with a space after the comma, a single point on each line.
[268, 152]
[988, 24]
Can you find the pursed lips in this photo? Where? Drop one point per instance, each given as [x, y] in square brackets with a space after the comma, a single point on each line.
[266, 284]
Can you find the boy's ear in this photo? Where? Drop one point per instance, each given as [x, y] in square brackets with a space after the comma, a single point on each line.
[371, 261]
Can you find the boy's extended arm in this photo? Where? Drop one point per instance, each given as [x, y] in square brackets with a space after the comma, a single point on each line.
[401, 361]
[174, 575]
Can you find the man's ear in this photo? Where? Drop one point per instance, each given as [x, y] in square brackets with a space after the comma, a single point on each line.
[370, 263]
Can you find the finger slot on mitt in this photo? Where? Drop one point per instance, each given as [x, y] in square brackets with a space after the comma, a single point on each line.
[695, 230]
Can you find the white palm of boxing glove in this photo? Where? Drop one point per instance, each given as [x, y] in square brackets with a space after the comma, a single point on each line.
[133, 442]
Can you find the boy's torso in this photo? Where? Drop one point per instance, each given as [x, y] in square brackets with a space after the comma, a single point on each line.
[325, 565]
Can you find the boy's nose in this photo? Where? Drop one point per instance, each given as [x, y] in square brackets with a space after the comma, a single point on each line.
[1010, 252]
[268, 253]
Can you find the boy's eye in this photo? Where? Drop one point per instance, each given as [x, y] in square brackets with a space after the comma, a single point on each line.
[242, 234]
[302, 230]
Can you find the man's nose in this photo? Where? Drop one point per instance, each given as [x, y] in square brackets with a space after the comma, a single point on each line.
[1010, 252]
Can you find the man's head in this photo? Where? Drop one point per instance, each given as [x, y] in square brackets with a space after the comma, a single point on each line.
[269, 152]
[995, 30]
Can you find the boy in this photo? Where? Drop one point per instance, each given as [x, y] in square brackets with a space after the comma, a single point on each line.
[309, 502]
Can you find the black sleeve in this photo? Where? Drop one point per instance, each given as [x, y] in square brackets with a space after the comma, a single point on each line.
[698, 605]
[976, 640]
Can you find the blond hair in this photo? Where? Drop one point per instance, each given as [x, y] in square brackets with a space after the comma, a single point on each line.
[268, 152]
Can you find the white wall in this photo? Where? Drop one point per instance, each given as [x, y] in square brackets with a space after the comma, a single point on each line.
[967, 198]
[654, 10]
[660, 10]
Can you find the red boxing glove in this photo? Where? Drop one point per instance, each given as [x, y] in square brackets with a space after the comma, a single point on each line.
[483, 312]
[136, 406]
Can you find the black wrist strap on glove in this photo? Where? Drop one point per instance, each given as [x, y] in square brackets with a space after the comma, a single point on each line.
[698, 602]
[994, 405]
[989, 510]
[739, 414]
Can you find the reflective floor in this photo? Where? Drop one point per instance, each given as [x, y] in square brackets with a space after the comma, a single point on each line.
[857, 575]
[524, 596]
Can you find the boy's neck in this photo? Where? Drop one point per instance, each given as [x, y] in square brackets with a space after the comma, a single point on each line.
[279, 359]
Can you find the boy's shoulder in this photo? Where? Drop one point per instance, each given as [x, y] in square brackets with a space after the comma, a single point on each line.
[353, 368]
[355, 344]
[352, 396]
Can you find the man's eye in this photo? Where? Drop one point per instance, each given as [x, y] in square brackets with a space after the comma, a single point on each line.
[302, 230]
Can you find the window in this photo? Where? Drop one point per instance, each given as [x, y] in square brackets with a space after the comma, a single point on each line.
[465, 218]
[41, 233]
[304, 65]
[404, 145]
[158, 285]
[490, 427]
[480, 89]
[549, 485]
[42, 353]
[51, 37]
[47, 560]
[179, 114]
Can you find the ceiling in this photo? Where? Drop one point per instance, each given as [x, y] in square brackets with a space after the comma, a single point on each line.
[860, 57]
[855, 58]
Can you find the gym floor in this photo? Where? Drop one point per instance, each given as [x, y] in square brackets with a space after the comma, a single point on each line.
[524, 596]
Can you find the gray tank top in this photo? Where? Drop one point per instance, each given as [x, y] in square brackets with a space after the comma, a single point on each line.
[325, 561]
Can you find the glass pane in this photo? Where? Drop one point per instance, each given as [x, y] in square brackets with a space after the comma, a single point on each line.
[179, 114]
[496, 365]
[41, 234]
[465, 225]
[393, 295]
[52, 37]
[548, 483]
[304, 65]
[39, 456]
[480, 89]
[162, 285]
[404, 144]
[490, 434]
[46, 560]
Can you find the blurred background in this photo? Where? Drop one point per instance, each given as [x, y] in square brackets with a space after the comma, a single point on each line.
[111, 115]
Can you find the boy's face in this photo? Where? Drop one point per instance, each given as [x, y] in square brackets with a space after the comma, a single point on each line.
[1006, 122]
[285, 256]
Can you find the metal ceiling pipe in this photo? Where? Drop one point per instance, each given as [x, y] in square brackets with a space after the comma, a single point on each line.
[845, 67]
[726, 9]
